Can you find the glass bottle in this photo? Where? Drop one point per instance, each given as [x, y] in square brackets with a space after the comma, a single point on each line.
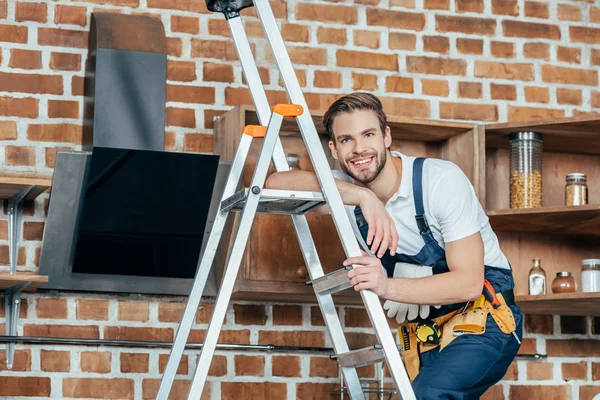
[525, 170]
[537, 278]
[576, 191]
[564, 283]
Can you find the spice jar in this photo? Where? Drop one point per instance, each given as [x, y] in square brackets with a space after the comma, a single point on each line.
[576, 191]
[525, 170]
[564, 283]
[590, 275]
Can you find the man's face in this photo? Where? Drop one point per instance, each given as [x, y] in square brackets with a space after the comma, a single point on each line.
[360, 146]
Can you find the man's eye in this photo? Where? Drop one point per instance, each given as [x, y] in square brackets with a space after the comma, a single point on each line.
[345, 140]
[369, 134]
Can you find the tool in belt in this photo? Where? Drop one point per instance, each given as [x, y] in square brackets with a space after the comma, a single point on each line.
[419, 337]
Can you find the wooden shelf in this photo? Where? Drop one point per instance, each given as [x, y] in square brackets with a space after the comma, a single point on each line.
[8, 280]
[11, 185]
[561, 304]
[568, 220]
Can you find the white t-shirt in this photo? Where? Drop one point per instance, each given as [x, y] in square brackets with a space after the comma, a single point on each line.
[452, 209]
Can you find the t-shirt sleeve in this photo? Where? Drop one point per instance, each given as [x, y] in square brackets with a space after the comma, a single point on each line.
[457, 209]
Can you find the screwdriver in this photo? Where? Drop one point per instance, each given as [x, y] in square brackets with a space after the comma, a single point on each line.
[490, 295]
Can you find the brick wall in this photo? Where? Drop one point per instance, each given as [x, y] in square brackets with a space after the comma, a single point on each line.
[481, 60]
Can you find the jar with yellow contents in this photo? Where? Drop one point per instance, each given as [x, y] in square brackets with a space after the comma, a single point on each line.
[576, 191]
[525, 170]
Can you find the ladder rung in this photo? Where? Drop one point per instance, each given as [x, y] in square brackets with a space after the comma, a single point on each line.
[333, 282]
[274, 201]
[361, 357]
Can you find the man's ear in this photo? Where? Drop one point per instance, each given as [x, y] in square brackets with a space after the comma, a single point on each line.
[387, 137]
[333, 149]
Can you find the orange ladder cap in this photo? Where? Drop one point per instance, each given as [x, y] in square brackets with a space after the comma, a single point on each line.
[288, 110]
[256, 131]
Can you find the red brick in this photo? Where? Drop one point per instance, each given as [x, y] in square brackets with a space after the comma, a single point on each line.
[250, 314]
[398, 84]
[179, 389]
[536, 94]
[531, 113]
[532, 30]
[217, 72]
[346, 15]
[36, 12]
[434, 87]
[123, 3]
[288, 366]
[462, 111]
[493, 393]
[366, 60]
[395, 19]
[573, 76]
[539, 323]
[55, 133]
[31, 83]
[536, 9]
[568, 54]
[115, 388]
[95, 361]
[227, 336]
[364, 81]
[219, 49]
[572, 348]
[175, 47]
[253, 390]
[62, 38]
[295, 32]
[503, 92]
[13, 33]
[568, 96]
[8, 131]
[327, 79]
[436, 4]
[469, 46]
[594, 13]
[469, 25]
[402, 3]
[287, 315]
[292, 338]
[584, 34]
[406, 107]
[569, 12]
[218, 367]
[25, 59]
[21, 360]
[71, 331]
[135, 362]
[516, 71]
[502, 49]
[588, 392]
[133, 311]
[436, 66]
[476, 6]
[505, 7]
[536, 50]
[183, 5]
[92, 309]
[209, 115]
[367, 38]
[539, 370]
[471, 90]
[512, 373]
[596, 371]
[574, 371]
[77, 83]
[436, 44]
[402, 41]
[3, 9]
[198, 143]
[63, 109]
[308, 391]
[249, 365]
[19, 155]
[170, 141]
[331, 35]
[184, 71]
[219, 27]
[182, 368]
[539, 392]
[24, 386]
[55, 361]
[70, 15]
[138, 333]
[190, 94]
[323, 367]
[180, 23]
[51, 308]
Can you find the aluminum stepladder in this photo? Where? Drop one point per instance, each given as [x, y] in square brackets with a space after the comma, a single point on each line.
[255, 199]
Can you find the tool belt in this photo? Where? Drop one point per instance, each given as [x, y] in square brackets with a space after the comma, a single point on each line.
[417, 338]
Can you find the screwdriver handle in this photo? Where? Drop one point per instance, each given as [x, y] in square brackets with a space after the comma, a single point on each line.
[490, 294]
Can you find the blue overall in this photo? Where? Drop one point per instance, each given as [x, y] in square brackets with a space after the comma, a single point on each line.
[469, 365]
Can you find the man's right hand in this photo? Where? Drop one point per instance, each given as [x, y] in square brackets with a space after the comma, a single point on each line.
[382, 234]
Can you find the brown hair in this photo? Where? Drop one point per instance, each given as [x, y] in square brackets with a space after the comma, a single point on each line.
[353, 102]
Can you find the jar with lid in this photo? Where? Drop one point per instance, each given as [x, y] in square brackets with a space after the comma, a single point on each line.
[525, 170]
[564, 283]
[590, 275]
[576, 191]
[537, 278]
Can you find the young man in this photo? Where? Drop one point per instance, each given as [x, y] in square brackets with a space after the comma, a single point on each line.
[431, 244]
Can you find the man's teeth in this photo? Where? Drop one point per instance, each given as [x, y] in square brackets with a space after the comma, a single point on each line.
[361, 162]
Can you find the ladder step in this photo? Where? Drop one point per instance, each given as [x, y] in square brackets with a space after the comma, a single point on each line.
[361, 357]
[333, 282]
[274, 201]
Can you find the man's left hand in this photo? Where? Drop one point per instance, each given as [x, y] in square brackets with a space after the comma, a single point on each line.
[371, 275]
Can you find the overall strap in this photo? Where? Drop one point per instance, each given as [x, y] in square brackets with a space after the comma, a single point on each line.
[417, 179]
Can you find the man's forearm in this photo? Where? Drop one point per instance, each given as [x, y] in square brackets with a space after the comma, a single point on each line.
[447, 288]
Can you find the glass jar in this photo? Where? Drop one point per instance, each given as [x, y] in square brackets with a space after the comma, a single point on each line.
[293, 160]
[576, 191]
[590, 275]
[564, 283]
[525, 170]
[537, 278]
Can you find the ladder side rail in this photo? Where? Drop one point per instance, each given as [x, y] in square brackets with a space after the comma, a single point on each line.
[235, 258]
[206, 262]
[332, 195]
[300, 223]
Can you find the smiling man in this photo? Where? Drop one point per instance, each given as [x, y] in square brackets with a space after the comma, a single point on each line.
[431, 253]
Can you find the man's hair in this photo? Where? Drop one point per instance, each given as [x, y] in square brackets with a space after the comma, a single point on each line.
[353, 102]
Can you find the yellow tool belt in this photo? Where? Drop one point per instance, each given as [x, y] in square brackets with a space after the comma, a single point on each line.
[419, 337]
